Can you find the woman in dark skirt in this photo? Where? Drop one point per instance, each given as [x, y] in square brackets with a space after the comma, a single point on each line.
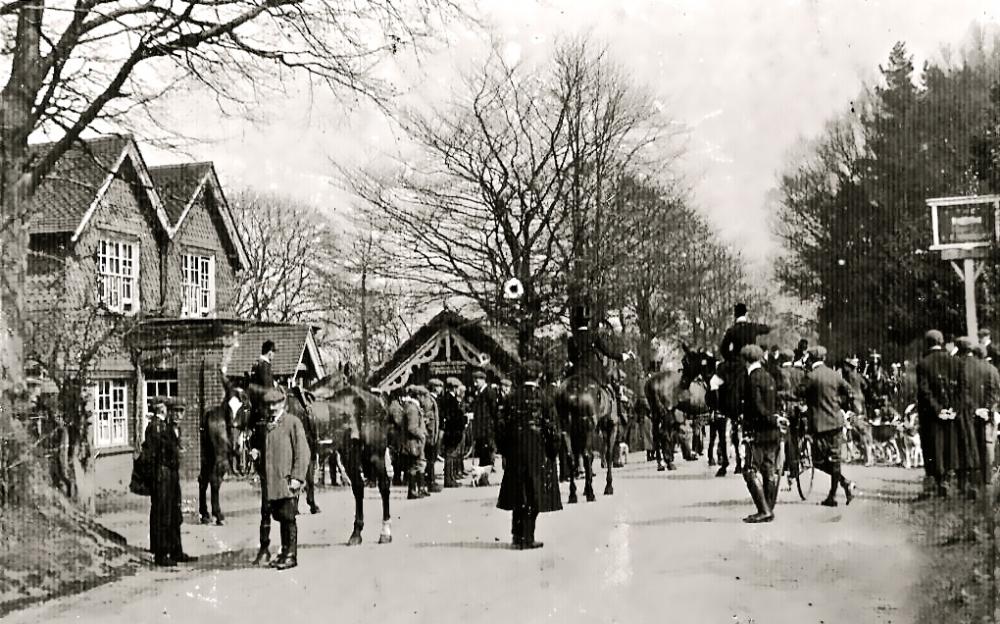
[528, 440]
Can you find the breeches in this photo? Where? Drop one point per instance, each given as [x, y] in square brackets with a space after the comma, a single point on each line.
[765, 458]
[826, 450]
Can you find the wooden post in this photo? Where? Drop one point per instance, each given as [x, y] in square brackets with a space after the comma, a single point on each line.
[969, 270]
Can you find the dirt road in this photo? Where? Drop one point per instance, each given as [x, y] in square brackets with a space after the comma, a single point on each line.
[667, 547]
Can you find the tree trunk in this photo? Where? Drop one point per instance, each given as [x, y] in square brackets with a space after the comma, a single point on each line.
[365, 361]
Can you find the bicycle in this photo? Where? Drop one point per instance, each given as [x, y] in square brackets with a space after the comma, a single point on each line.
[799, 458]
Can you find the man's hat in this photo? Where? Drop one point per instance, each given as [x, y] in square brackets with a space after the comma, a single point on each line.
[479, 375]
[273, 396]
[156, 400]
[979, 350]
[964, 343]
[852, 361]
[174, 404]
[267, 347]
[505, 380]
[984, 333]
[434, 382]
[453, 382]
[934, 338]
[817, 353]
[532, 369]
[786, 355]
[416, 390]
[752, 353]
[740, 309]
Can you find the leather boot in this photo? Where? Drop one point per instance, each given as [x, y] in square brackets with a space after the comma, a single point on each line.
[771, 492]
[422, 490]
[760, 500]
[283, 555]
[264, 552]
[449, 473]
[411, 487]
[292, 545]
[517, 529]
[528, 534]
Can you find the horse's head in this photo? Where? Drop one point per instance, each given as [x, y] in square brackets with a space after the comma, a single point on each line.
[697, 365]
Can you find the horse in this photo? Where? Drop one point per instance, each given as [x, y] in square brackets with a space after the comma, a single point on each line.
[357, 422]
[588, 410]
[674, 399]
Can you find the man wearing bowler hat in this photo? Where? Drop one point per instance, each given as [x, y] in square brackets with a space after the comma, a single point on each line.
[937, 387]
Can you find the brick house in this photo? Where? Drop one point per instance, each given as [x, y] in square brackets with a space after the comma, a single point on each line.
[156, 251]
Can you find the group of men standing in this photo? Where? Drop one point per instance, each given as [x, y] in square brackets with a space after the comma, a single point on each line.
[957, 399]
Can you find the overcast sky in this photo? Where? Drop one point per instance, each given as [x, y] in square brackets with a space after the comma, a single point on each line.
[750, 78]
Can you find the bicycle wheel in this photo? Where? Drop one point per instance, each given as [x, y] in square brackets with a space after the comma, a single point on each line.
[807, 471]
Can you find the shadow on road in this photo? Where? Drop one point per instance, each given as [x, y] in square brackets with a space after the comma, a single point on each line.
[468, 545]
[679, 520]
[668, 476]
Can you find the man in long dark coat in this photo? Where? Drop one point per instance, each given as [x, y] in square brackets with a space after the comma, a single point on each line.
[162, 448]
[453, 423]
[937, 380]
[975, 396]
[483, 405]
[825, 393]
[762, 425]
[985, 426]
[286, 461]
[529, 441]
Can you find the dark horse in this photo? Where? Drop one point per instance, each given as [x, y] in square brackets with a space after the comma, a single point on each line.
[675, 396]
[589, 410]
[358, 424]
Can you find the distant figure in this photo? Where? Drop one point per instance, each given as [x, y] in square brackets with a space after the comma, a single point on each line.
[483, 405]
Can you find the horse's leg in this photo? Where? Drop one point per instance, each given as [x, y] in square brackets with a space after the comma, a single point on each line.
[609, 449]
[588, 467]
[735, 439]
[574, 451]
[358, 489]
[383, 487]
[712, 428]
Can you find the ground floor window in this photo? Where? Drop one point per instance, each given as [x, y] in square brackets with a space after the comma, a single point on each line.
[111, 414]
[160, 384]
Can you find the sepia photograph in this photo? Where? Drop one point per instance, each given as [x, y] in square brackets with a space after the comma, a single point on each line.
[512, 311]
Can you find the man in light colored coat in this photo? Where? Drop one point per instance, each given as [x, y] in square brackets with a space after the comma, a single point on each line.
[286, 460]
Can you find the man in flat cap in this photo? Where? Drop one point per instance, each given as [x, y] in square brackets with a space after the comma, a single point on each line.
[826, 393]
[528, 439]
[453, 423]
[286, 460]
[162, 449]
[788, 381]
[937, 381]
[432, 416]
[762, 425]
[992, 353]
[483, 405]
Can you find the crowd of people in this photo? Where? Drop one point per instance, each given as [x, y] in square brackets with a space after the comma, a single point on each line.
[774, 396]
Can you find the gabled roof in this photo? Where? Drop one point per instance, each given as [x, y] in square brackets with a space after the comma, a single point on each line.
[491, 340]
[178, 186]
[69, 195]
[181, 185]
[294, 344]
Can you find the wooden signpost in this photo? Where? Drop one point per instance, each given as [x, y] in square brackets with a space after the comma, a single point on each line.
[966, 229]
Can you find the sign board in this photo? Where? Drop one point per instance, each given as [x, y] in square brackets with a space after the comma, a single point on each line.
[965, 222]
[447, 368]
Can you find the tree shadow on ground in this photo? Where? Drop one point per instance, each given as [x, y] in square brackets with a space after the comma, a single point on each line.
[667, 476]
[742, 502]
[467, 545]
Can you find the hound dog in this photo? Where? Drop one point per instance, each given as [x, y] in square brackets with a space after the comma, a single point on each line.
[913, 457]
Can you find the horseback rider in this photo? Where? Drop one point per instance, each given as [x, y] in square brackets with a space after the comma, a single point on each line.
[586, 348]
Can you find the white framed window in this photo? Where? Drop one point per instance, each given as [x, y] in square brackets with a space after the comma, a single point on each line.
[118, 276]
[197, 285]
[158, 384]
[111, 414]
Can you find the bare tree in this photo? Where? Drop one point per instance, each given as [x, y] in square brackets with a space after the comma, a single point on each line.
[290, 247]
[71, 66]
[484, 204]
